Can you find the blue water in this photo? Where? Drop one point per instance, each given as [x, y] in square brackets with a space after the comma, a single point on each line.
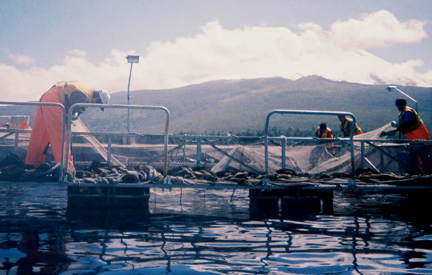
[195, 231]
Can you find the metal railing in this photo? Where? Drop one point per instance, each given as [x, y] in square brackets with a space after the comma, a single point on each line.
[120, 106]
[306, 112]
[199, 140]
[63, 126]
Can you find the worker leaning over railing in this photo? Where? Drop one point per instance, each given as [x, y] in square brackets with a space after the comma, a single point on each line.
[411, 125]
[347, 124]
[47, 124]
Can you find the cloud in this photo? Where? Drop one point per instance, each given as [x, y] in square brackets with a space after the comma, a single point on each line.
[21, 59]
[218, 53]
[377, 30]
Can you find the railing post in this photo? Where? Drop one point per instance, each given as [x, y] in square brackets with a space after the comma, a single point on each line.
[199, 152]
[284, 142]
[109, 150]
[363, 162]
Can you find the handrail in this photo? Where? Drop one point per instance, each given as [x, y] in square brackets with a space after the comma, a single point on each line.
[307, 112]
[121, 106]
[63, 125]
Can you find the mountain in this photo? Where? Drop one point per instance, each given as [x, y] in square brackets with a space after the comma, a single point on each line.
[241, 106]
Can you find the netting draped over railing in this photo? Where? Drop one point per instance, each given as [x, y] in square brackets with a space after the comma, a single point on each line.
[221, 153]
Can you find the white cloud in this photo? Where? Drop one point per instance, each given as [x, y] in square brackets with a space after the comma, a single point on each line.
[378, 29]
[21, 59]
[219, 53]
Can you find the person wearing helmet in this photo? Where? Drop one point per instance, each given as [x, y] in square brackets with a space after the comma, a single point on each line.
[48, 120]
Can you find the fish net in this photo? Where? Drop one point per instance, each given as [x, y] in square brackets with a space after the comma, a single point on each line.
[310, 156]
[240, 154]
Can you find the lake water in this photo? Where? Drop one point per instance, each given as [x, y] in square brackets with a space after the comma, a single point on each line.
[197, 231]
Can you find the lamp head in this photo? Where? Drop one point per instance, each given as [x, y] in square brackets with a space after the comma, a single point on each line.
[132, 58]
[391, 88]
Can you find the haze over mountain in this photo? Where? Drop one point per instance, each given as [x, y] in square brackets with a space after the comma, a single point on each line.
[241, 106]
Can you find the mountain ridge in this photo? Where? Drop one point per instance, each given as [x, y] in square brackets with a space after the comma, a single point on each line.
[241, 105]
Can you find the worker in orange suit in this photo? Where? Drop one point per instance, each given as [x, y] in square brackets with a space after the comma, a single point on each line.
[411, 125]
[48, 120]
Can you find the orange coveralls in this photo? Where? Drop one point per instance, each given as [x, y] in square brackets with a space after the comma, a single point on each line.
[47, 128]
[419, 156]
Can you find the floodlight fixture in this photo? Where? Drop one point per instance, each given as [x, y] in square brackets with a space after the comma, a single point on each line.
[132, 58]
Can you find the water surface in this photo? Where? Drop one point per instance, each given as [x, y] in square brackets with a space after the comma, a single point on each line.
[195, 231]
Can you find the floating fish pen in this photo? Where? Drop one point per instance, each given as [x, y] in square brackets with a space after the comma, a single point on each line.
[280, 173]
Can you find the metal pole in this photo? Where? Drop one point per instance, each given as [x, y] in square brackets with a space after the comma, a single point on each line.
[198, 160]
[128, 98]
[284, 142]
[400, 91]
[109, 150]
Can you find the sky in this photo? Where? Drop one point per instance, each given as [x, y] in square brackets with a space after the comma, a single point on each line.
[192, 41]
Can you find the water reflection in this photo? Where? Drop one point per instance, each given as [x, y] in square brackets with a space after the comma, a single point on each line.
[211, 232]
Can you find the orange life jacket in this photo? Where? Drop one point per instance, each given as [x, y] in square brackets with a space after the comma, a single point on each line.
[411, 126]
[346, 130]
[327, 133]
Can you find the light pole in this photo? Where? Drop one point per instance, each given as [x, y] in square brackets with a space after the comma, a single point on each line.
[131, 59]
[395, 88]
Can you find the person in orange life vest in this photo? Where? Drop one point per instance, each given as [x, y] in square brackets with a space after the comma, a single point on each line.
[411, 125]
[323, 131]
[347, 124]
[48, 120]
[318, 153]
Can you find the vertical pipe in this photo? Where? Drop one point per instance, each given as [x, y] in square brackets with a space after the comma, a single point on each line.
[199, 154]
[128, 98]
[166, 137]
[352, 144]
[109, 150]
[266, 144]
[69, 137]
[62, 161]
[363, 164]
[284, 142]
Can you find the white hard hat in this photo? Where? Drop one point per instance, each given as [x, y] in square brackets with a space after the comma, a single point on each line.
[104, 96]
